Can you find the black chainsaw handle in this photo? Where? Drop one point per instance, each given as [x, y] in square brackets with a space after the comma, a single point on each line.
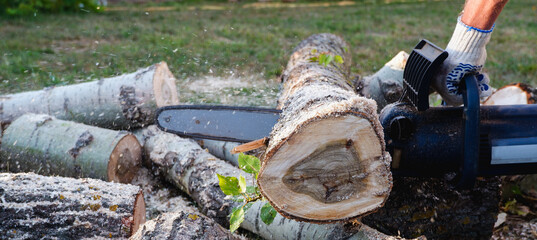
[469, 166]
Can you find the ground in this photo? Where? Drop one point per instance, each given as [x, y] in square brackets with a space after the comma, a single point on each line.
[233, 53]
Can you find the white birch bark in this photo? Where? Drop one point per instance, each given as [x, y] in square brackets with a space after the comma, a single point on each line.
[49, 146]
[121, 102]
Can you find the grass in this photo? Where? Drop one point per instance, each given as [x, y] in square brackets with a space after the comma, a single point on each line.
[47, 50]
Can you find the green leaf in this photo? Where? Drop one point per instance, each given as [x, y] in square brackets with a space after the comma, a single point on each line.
[242, 184]
[314, 51]
[338, 59]
[516, 190]
[237, 198]
[236, 218]
[268, 213]
[249, 164]
[322, 59]
[229, 185]
[329, 59]
[313, 59]
[252, 190]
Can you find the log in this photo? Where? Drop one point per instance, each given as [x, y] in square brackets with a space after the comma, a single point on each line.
[221, 149]
[516, 93]
[326, 159]
[185, 222]
[120, 102]
[49, 146]
[386, 85]
[34, 206]
[186, 165]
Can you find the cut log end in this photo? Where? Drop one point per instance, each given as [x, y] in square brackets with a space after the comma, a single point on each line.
[125, 160]
[341, 167]
[164, 86]
[517, 93]
[138, 214]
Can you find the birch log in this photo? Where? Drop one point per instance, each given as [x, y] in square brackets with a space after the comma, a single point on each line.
[326, 159]
[38, 207]
[49, 146]
[185, 222]
[121, 102]
[185, 164]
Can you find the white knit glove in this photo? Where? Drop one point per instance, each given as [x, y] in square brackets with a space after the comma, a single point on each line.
[467, 55]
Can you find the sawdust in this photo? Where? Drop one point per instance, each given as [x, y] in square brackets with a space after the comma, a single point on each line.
[238, 90]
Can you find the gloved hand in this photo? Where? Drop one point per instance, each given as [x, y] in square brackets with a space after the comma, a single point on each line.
[467, 55]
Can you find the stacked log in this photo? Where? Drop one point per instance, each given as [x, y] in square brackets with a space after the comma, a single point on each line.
[49, 146]
[186, 165]
[185, 222]
[121, 102]
[326, 159]
[35, 206]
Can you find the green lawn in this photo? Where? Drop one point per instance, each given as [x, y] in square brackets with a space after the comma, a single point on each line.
[234, 42]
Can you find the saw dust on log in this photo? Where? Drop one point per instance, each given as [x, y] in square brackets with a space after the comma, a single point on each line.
[49, 146]
[121, 102]
[326, 159]
[35, 206]
[186, 165]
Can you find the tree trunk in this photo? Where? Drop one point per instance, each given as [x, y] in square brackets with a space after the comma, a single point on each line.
[184, 222]
[386, 85]
[185, 164]
[48, 146]
[120, 102]
[35, 206]
[326, 159]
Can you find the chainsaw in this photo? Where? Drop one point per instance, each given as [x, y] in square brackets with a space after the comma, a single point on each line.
[471, 140]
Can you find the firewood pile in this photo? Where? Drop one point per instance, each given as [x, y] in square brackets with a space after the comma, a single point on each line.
[86, 161]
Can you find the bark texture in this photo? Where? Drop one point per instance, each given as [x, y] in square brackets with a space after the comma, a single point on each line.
[38, 207]
[121, 102]
[185, 164]
[326, 159]
[386, 85]
[184, 223]
[49, 146]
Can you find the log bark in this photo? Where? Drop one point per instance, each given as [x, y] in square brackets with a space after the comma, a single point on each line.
[120, 102]
[35, 206]
[326, 159]
[185, 222]
[49, 146]
[186, 165]
[386, 85]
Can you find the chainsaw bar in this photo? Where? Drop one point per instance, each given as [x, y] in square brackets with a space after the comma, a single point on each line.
[226, 123]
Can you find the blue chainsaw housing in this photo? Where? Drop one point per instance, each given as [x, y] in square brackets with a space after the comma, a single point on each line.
[471, 141]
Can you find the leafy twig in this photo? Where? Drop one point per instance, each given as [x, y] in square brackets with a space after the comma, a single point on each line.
[237, 189]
